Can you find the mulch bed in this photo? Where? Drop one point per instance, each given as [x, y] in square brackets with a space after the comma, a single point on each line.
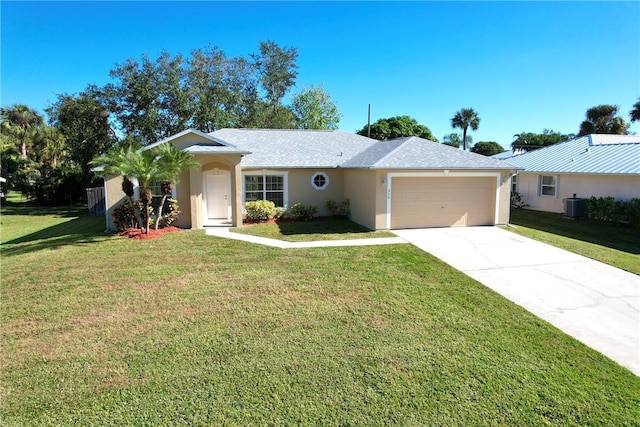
[136, 233]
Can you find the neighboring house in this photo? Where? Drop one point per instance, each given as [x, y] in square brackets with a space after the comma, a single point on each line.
[401, 183]
[592, 165]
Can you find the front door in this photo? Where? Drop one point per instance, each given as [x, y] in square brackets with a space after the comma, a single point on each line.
[217, 194]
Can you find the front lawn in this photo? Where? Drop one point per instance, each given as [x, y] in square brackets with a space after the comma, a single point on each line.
[297, 231]
[190, 329]
[617, 245]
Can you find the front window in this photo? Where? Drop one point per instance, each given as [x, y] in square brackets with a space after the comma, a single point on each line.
[548, 185]
[514, 184]
[264, 187]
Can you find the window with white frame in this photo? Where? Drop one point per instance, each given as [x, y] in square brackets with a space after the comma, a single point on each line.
[265, 187]
[514, 184]
[548, 185]
[320, 180]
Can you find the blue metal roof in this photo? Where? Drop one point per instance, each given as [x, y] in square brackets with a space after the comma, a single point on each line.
[596, 154]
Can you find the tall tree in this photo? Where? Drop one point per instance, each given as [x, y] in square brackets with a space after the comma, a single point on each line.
[84, 122]
[603, 119]
[634, 114]
[314, 109]
[20, 124]
[276, 67]
[527, 141]
[51, 145]
[150, 99]
[397, 127]
[222, 89]
[464, 119]
[487, 148]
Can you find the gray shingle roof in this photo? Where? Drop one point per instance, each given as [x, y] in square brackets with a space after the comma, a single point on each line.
[418, 153]
[597, 154]
[330, 149]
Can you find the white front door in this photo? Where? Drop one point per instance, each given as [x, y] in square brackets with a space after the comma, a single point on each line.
[217, 194]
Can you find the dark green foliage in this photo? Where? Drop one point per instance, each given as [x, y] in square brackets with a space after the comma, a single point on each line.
[487, 148]
[608, 209]
[516, 201]
[124, 215]
[527, 141]
[603, 119]
[302, 212]
[397, 127]
[340, 210]
[58, 186]
[464, 119]
[260, 210]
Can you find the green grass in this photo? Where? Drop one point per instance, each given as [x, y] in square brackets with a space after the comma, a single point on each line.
[190, 329]
[616, 245]
[311, 231]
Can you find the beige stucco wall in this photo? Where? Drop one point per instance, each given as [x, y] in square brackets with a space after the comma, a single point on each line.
[361, 190]
[622, 187]
[302, 191]
[113, 197]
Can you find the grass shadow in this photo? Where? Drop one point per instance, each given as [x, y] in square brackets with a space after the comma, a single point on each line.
[80, 230]
[620, 237]
[330, 226]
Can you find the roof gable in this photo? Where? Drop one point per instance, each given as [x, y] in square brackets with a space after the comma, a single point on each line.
[596, 154]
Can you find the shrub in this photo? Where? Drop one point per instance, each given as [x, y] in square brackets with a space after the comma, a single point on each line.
[301, 212]
[280, 212]
[170, 213]
[516, 201]
[608, 209]
[335, 209]
[260, 210]
[123, 216]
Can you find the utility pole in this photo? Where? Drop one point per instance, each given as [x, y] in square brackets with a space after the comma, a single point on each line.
[369, 122]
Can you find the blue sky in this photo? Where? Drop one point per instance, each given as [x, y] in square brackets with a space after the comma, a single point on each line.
[523, 66]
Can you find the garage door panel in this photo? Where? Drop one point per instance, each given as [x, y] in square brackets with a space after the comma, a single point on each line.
[442, 201]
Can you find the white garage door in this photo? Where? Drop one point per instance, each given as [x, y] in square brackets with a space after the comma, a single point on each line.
[418, 202]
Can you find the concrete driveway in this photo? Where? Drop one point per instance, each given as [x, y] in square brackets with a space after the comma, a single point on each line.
[591, 301]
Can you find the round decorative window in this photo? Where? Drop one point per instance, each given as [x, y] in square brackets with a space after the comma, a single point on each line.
[320, 180]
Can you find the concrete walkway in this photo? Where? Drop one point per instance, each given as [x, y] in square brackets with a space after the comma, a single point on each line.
[591, 301]
[224, 232]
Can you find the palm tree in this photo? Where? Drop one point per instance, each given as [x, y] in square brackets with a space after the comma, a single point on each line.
[635, 112]
[171, 161]
[464, 119]
[603, 119]
[53, 145]
[21, 123]
[161, 163]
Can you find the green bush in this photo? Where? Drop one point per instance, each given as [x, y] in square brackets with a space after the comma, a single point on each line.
[170, 213]
[260, 210]
[335, 209]
[608, 209]
[516, 201]
[301, 212]
[123, 216]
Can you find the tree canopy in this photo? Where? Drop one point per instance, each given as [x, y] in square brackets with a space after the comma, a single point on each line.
[314, 109]
[397, 127]
[487, 148]
[603, 119]
[527, 141]
[634, 114]
[464, 119]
